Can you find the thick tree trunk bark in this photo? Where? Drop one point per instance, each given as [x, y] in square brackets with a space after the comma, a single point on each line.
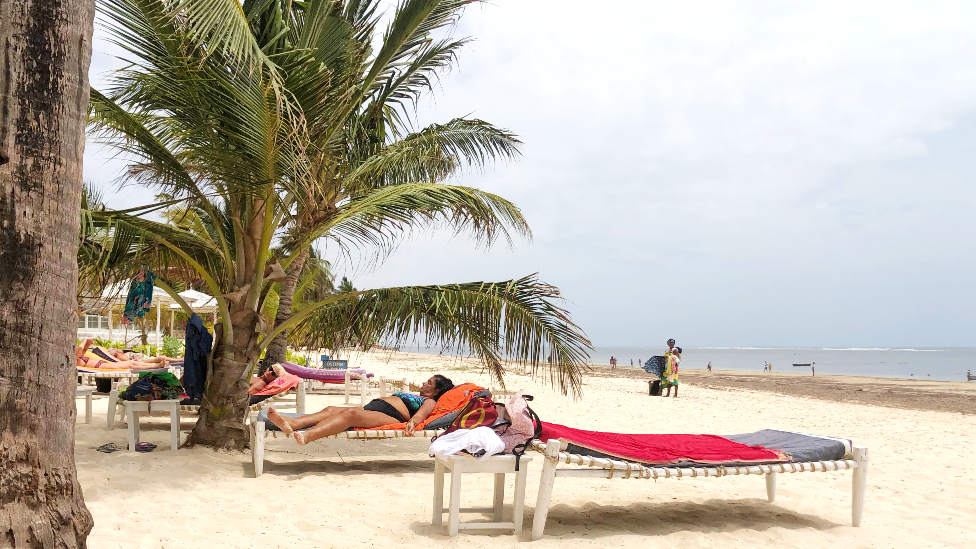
[277, 348]
[43, 104]
[225, 399]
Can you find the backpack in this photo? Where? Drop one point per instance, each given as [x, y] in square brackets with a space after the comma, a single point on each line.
[518, 425]
[479, 411]
[153, 386]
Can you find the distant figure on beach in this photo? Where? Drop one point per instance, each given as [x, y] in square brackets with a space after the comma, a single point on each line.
[709, 366]
[813, 371]
[765, 367]
[631, 362]
[613, 362]
[770, 366]
[670, 377]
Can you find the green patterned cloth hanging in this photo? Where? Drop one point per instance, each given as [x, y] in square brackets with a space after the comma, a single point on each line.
[139, 298]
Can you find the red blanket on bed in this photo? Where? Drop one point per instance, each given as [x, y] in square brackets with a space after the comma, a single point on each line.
[663, 449]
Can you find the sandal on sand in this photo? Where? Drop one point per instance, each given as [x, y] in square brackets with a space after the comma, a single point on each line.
[107, 448]
[145, 447]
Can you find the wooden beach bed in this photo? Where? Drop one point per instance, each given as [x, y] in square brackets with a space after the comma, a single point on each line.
[555, 451]
[260, 428]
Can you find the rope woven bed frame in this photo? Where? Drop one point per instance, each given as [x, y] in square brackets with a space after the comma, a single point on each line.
[292, 398]
[610, 468]
[259, 432]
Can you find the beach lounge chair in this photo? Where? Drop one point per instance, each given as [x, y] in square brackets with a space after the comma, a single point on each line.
[354, 380]
[439, 420]
[802, 452]
[292, 398]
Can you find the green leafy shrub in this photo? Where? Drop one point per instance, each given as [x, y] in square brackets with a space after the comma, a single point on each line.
[295, 358]
[172, 347]
[148, 350]
[108, 344]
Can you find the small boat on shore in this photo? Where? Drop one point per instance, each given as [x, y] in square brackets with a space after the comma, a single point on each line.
[799, 365]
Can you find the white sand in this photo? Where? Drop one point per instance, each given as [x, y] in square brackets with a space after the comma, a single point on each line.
[341, 493]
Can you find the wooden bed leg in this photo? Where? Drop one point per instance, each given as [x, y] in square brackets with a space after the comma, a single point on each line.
[257, 446]
[454, 516]
[348, 381]
[438, 515]
[860, 480]
[113, 405]
[363, 390]
[771, 487]
[499, 504]
[545, 488]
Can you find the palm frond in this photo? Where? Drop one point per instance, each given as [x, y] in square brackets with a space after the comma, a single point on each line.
[386, 214]
[517, 320]
[434, 153]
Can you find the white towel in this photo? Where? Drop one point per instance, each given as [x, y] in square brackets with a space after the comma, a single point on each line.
[480, 442]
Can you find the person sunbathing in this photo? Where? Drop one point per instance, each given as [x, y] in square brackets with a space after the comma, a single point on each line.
[121, 354]
[398, 408]
[258, 383]
[87, 359]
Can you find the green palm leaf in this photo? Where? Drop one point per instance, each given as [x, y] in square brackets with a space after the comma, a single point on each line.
[518, 320]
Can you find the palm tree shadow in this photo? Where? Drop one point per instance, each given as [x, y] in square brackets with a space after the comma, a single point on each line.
[332, 466]
[654, 519]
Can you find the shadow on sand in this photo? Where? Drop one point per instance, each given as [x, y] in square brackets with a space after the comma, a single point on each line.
[651, 519]
[334, 466]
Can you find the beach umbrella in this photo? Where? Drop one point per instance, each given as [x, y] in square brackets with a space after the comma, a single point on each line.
[655, 366]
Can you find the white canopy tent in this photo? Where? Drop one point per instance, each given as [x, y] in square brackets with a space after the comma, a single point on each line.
[199, 303]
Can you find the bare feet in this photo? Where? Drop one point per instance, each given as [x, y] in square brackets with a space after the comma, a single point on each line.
[300, 438]
[281, 422]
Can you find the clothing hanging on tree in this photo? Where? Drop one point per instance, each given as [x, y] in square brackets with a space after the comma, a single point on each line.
[199, 343]
[139, 298]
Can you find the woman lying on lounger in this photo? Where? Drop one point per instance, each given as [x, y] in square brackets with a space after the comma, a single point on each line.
[120, 354]
[87, 359]
[398, 408]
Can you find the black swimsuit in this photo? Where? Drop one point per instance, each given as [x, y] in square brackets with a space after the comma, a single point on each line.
[384, 407]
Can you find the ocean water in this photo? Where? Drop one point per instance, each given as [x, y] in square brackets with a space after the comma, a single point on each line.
[942, 364]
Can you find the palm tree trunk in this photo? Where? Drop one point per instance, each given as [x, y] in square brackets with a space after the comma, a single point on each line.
[43, 104]
[276, 350]
[225, 399]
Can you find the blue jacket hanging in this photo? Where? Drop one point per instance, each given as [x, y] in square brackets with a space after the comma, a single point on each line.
[198, 345]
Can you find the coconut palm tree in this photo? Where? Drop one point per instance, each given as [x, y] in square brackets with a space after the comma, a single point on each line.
[43, 97]
[274, 125]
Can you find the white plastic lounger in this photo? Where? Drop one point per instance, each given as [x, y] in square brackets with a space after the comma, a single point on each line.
[555, 453]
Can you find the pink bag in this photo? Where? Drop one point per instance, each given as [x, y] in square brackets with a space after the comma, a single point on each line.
[518, 425]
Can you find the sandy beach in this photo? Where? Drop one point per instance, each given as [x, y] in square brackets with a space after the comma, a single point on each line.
[341, 493]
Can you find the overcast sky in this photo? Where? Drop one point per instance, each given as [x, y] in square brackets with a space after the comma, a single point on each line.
[728, 173]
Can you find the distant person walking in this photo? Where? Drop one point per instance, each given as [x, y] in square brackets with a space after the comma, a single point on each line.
[709, 366]
[631, 362]
[770, 365]
[613, 362]
[813, 370]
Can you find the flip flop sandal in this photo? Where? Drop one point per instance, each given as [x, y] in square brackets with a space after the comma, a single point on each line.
[107, 448]
[145, 447]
